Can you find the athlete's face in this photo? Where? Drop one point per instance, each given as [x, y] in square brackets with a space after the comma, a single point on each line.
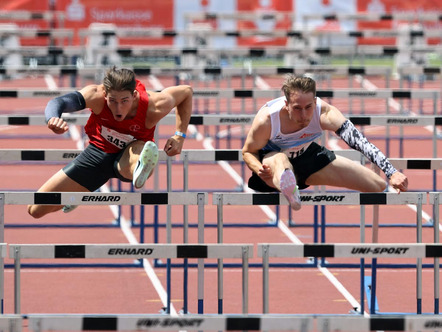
[120, 103]
[301, 106]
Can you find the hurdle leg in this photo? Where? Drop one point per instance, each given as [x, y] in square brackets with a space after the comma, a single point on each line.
[374, 239]
[245, 280]
[436, 259]
[185, 233]
[375, 231]
[169, 234]
[265, 279]
[362, 268]
[419, 260]
[17, 281]
[219, 217]
[2, 262]
[200, 260]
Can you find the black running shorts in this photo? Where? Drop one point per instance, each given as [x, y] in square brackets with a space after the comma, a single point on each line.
[312, 160]
[93, 167]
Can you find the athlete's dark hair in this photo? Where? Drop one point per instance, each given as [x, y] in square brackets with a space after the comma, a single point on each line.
[301, 83]
[119, 80]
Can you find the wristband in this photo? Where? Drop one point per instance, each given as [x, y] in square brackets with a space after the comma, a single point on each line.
[179, 133]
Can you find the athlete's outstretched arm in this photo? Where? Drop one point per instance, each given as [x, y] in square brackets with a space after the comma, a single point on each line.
[67, 103]
[332, 119]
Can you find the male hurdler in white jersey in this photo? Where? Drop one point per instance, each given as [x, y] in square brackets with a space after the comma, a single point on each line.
[282, 152]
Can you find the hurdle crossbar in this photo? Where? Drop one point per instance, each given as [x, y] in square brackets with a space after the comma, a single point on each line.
[232, 119]
[95, 198]
[25, 15]
[80, 322]
[379, 323]
[138, 251]
[2, 263]
[36, 33]
[253, 93]
[243, 15]
[147, 51]
[435, 199]
[351, 250]
[53, 155]
[328, 198]
[255, 322]
[427, 16]
[277, 33]
[14, 155]
[59, 70]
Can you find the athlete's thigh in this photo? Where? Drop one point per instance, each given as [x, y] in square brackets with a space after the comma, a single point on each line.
[343, 172]
[61, 182]
[129, 158]
[274, 159]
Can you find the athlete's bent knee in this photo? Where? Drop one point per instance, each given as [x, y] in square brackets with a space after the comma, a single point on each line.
[34, 212]
[379, 185]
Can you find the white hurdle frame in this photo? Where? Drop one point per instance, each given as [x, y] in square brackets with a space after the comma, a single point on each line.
[254, 322]
[330, 198]
[435, 199]
[113, 198]
[356, 250]
[251, 93]
[2, 272]
[136, 322]
[139, 251]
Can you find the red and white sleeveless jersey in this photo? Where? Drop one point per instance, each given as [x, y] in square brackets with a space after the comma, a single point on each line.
[110, 135]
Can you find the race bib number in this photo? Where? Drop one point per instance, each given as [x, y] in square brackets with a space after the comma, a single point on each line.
[114, 137]
[296, 151]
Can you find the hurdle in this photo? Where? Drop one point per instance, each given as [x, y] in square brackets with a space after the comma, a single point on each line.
[411, 17]
[356, 250]
[26, 15]
[321, 199]
[161, 33]
[376, 323]
[140, 251]
[245, 52]
[113, 198]
[59, 33]
[330, 198]
[254, 94]
[253, 322]
[246, 119]
[2, 272]
[435, 199]
[187, 156]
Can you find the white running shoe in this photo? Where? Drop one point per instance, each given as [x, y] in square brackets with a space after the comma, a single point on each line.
[146, 163]
[69, 208]
[290, 189]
